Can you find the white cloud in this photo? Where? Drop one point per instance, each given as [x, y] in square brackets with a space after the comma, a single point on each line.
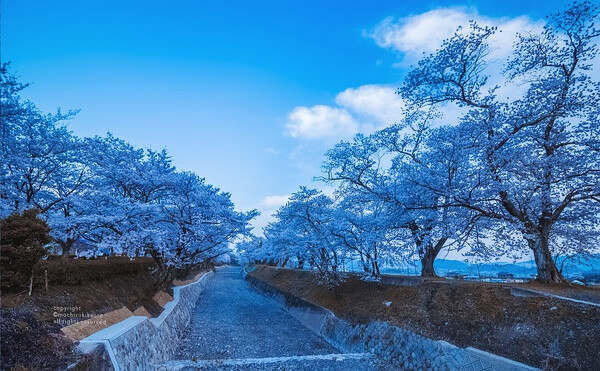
[379, 103]
[274, 201]
[423, 33]
[362, 109]
[267, 207]
[370, 107]
[321, 122]
[418, 33]
[271, 151]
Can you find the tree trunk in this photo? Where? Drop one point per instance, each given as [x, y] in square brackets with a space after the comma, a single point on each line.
[546, 269]
[66, 247]
[428, 255]
[375, 263]
[364, 261]
[376, 271]
[427, 250]
[427, 260]
[300, 262]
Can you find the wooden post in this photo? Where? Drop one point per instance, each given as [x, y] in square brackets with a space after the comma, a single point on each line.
[31, 283]
[46, 279]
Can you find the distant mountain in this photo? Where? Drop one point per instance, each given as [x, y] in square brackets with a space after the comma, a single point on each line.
[446, 266]
[573, 266]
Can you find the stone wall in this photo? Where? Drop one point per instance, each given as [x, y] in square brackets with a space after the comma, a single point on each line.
[399, 348]
[138, 342]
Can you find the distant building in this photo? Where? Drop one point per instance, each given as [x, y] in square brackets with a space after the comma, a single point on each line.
[455, 274]
[505, 275]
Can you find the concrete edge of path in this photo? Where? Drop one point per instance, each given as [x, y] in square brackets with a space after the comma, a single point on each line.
[398, 347]
[139, 342]
[178, 365]
[519, 291]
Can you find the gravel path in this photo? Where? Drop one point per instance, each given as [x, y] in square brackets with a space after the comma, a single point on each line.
[236, 328]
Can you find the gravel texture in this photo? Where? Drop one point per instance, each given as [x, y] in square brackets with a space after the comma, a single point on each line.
[234, 327]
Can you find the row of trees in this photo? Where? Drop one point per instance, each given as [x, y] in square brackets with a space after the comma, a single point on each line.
[515, 173]
[105, 192]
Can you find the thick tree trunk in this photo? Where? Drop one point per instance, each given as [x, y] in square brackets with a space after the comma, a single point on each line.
[428, 254]
[546, 268]
[427, 260]
[376, 271]
[427, 250]
[66, 248]
[366, 262]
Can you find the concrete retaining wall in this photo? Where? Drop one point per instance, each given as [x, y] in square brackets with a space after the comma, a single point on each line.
[395, 346]
[138, 342]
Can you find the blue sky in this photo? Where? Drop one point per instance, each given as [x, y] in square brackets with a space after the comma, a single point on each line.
[248, 95]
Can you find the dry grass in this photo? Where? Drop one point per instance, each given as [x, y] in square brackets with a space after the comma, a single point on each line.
[486, 316]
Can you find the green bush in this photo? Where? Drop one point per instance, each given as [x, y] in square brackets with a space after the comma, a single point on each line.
[22, 237]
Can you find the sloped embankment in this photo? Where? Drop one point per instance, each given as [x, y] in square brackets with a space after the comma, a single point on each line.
[539, 331]
[78, 290]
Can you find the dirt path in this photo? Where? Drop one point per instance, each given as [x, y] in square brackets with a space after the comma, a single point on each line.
[236, 328]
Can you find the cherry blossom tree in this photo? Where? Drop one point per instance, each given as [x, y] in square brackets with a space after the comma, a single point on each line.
[201, 221]
[402, 169]
[106, 192]
[535, 162]
[303, 230]
[39, 155]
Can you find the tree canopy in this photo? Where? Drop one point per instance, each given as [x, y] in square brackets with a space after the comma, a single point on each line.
[517, 171]
[107, 193]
